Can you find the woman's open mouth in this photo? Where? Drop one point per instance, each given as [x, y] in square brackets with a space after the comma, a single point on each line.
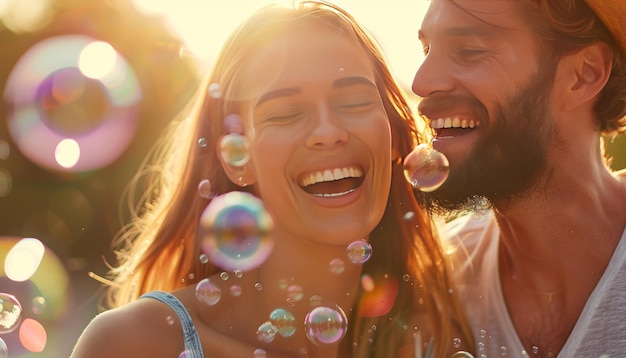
[330, 183]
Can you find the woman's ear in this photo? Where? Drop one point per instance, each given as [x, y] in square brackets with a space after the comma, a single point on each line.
[233, 151]
[590, 69]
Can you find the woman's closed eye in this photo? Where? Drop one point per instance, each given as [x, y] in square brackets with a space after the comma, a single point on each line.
[283, 116]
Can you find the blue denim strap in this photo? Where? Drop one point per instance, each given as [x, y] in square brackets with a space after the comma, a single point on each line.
[193, 348]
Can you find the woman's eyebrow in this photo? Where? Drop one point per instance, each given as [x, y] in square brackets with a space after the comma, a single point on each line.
[292, 91]
[281, 92]
[351, 81]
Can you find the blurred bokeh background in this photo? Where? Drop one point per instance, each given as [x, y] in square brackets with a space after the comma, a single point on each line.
[87, 86]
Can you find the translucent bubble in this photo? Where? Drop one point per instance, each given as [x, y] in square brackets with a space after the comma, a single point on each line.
[235, 149]
[284, 321]
[10, 313]
[266, 332]
[337, 266]
[202, 142]
[205, 190]
[535, 349]
[204, 258]
[235, 290]
[315, 300]
[325, 325]
[234, 229]
[425, 168]
[233, 123]
[169, 320]
[456, 342]
[207, 292]
[224, 276]
[238, 273]
[295, 292]
[258, 286]
[282, 284]
[259, 353]
[215, 91]
[359, 251]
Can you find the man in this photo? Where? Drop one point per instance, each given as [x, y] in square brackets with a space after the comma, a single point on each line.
[519, 94]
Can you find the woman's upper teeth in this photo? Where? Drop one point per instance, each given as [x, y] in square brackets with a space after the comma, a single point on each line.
[453, 122]
[331, 175]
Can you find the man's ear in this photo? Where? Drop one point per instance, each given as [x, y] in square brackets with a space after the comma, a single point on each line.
[589, 70]
[240, 174]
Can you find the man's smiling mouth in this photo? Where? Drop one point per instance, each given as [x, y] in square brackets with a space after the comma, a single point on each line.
[451, 127]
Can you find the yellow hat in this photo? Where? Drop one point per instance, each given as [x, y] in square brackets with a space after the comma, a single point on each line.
[613, 15]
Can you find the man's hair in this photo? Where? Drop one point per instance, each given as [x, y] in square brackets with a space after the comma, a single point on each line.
[567, 26]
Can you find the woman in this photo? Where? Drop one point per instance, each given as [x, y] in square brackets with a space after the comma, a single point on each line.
[327, 130]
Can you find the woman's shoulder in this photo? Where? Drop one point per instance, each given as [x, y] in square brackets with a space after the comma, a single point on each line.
[131, 331]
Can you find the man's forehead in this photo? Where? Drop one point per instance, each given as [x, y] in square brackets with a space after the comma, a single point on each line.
[483, 15]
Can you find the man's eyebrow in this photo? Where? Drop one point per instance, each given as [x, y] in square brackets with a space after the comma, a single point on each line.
[351, 81]
[466, 31]
[281, 92]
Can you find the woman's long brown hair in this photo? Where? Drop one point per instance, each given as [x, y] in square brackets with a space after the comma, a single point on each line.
[159, 250]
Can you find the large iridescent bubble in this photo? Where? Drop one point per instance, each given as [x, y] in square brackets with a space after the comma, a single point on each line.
[425, 168]
[235, 231]
[72, 103]
[325, 324]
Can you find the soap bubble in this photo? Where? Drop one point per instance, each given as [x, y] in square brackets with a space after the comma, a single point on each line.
[359, 251]
[325, 325]
[266, 332]
[207, 292]
[234, 229]
[425, 168]
[10, 313]
[235, 149]
[284, 321]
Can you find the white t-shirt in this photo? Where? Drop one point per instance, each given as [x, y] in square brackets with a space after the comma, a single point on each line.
[599, 332]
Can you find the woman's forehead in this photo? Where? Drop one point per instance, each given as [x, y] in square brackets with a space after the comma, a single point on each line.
[312, 53]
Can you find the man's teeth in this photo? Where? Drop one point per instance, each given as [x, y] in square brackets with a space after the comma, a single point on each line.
[331, 175]
[455, 122]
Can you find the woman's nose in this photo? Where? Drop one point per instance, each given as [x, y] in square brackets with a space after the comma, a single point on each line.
[327, 130]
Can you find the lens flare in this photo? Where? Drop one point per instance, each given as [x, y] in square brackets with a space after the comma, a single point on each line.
[72, 103]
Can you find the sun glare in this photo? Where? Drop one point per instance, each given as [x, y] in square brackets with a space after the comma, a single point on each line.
[204, 26]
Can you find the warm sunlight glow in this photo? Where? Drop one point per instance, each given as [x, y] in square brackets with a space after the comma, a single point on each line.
[67, 153]
[97, 59]
[204, 26]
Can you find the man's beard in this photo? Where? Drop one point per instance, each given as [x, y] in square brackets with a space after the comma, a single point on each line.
[507, 160]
